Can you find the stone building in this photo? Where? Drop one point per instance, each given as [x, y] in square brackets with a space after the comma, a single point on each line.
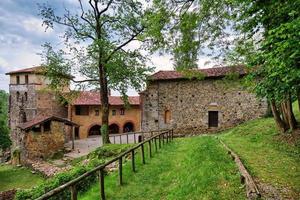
[44, 136]
[196, 105]
[32, 106]
[28, 100]
[86, 111]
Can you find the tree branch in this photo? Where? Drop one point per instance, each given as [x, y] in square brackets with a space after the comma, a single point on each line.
[72, 25]
[85, 80]
[124, 44]
[83, 18]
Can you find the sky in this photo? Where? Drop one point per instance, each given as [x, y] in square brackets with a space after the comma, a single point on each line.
[22, 34]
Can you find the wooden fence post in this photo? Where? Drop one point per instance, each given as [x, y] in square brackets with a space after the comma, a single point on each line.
[133, 161]
[101, 180]
[120, 139]
[155, 143]
[166, 135]
[120, 171]
[143, 153]
[159, 141]
[73, 137]
[114, 139]
[134, 137]
[127, 137]
[150, 150]
[73, 192]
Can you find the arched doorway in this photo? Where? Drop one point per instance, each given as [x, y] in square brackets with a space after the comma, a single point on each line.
[128, 127]
[113, 128]
[95, 130]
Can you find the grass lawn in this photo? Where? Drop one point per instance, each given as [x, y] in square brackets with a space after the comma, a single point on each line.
[188, 168]
[15, 177]
[272, 161]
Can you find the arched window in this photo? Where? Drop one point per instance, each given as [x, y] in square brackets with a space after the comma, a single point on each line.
[95, 130]
[167, 116]
[128, 127]
[113, 128]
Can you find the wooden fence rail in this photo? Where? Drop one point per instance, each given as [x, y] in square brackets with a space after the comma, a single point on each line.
[163, 137]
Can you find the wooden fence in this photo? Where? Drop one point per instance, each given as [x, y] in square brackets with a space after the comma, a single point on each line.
[158, 140]
[131, 137]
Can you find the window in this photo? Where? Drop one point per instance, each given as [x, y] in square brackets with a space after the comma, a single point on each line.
[96, 112]
[122, 111]
[26, 79]
[213, 118]
[37, 128]
[113, 112]
[26, 96]
[167, 116]
[18, 79]
[47, 126]
[81, 110]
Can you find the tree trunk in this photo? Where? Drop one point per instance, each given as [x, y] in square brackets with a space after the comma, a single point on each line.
[280, 124]
[283, 111]
[105, 104]
[298, 97]
[290, 114]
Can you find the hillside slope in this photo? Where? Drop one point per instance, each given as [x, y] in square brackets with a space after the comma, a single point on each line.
[189, 168]
[199, 167]
[272, 158]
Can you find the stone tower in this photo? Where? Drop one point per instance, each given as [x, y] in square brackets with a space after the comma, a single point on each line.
[29, 98]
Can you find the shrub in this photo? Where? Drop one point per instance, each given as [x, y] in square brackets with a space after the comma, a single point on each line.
[95, 159]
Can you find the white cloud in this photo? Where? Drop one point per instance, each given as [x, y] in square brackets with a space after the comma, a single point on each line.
[33, 24]
[161, 62]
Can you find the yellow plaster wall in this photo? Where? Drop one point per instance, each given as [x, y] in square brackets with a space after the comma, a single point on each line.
[132, 114]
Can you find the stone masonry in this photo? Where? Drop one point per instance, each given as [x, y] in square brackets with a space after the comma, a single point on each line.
[189, 102]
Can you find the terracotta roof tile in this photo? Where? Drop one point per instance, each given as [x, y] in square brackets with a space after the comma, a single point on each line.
[37, 69]
[43, 118]
[209, 72]
[93, 98]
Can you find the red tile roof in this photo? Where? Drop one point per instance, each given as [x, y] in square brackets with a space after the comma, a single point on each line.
[37, 69]
[44, 118]
[209, 72]
[93, 98]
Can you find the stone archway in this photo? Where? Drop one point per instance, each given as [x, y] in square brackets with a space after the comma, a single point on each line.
[128, 127]
[113, 129]
[95, 130]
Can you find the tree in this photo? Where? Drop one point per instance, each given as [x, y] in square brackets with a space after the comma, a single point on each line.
[271, 30]
[5, 141]
[264, 36]
[97, 40]
[195, 27]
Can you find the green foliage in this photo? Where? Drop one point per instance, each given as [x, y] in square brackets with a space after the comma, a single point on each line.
[194, 28]
[95, 158]
[270, 42]
[5, 141]
[187, 168]
[192, 74]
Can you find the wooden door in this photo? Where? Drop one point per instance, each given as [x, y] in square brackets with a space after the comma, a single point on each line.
[213, 118]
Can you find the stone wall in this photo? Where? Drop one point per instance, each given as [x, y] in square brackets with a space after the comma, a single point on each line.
[46, 144]
[189, 102]
[38, 102]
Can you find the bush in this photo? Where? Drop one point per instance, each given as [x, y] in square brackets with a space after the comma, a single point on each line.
[60, 179]
[95, 159]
